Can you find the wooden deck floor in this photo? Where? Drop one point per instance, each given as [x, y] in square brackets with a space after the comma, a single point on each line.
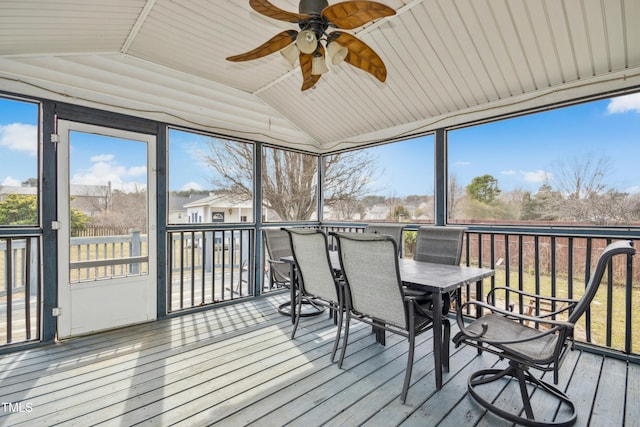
[236, 365]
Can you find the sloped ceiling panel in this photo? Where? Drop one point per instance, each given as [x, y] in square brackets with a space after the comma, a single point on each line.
[448, 62]
[127, 85]
[72, 26]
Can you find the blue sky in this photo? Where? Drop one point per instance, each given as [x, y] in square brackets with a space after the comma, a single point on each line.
[518, 152]
[521, 151]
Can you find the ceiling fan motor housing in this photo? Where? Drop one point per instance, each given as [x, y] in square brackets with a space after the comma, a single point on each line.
[316, 22]
[312, 7]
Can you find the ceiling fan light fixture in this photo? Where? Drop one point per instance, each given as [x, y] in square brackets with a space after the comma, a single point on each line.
[336, 52]
[318, 66]
[291, 54]
[307, 41]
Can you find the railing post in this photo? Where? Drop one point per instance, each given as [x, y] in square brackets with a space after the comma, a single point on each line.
[135, 249]
[209, 251]
[628, 343]
[33, 266]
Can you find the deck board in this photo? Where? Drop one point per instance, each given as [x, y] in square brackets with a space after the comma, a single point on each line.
[632, 408]
[236, 365]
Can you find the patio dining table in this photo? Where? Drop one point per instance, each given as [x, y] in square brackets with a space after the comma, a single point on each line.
[435, 278]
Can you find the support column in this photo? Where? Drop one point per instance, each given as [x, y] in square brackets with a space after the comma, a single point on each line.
[440, 168]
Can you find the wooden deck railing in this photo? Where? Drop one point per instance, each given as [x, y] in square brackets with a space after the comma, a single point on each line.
[19, 289]
[555, 262]
[212, 265]
[208, 266]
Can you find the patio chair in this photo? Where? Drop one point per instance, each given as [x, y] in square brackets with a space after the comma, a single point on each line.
[439, 244]
[317, 281]
[393, 230]
[374, 293]
[278, 246]
[504, 333]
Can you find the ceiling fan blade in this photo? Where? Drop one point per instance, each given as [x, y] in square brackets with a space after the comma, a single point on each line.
[306, 64]
[353, 14]
[276, 43]
[265, 8]
[361, 55]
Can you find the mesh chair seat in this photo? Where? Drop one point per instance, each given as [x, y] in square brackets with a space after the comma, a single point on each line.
[533, 343]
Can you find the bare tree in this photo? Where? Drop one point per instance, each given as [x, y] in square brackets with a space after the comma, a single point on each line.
[289, 179]
[456, 193]
[128, 210]
[289, 183]
[232, 163]
[580, 180]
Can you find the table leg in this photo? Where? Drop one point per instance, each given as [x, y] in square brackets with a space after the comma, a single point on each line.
[380, 333]
[437, 337]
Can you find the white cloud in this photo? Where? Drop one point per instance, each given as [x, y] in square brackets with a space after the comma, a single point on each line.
[632, 190]
[137, 171]
[624, 103]
[535, 176]
[191, 186]
[20, 137]
[104, 170]
[462, 163]
[11, 182]
[529, 176]
[102, 158]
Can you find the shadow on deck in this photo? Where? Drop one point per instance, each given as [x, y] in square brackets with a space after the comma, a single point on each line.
[236, 365]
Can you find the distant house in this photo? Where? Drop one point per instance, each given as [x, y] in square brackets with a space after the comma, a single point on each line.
[216, 208]
[178, 213]
[6, 190]
[377, 212]
[91, 199]
[88, 199]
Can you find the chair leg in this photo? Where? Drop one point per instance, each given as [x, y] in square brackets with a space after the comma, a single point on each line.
[338, 312]
[298, 313]
[407, 375]
[346, 337]
[515, 371]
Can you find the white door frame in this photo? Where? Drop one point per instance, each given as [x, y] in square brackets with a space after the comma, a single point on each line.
[92, 306]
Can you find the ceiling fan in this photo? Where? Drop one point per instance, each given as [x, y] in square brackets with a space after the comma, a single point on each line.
[314, 18]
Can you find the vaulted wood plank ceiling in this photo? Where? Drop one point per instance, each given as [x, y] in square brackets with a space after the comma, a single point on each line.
[449, 62]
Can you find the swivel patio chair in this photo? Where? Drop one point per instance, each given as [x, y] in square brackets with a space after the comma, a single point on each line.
[374, 293]
[504, 333]
[393, 230]
[277, 244]
[317, 281]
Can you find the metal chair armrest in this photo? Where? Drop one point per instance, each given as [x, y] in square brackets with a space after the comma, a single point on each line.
[529, 294]
[556, 324]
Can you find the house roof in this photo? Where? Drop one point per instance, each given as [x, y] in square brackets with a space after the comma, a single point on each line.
[220, 202]
[449, 62]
